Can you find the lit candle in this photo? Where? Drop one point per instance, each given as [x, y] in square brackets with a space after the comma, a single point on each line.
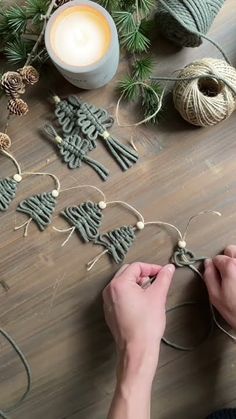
[82, 41]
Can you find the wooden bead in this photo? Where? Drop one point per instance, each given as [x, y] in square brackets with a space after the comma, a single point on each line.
[17, 177]
[102, 205]
[140, 225]
[182, 244]
[55, 193]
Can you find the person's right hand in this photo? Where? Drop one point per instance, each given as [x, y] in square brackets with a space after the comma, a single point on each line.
[220, 279]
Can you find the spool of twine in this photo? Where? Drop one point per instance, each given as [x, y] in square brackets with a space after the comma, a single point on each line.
[206, 95]
[186, 22]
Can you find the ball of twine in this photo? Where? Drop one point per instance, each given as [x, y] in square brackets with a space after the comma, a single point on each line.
[209, 96]
[184, 22]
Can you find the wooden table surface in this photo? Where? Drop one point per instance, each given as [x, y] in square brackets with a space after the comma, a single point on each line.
[53, 308]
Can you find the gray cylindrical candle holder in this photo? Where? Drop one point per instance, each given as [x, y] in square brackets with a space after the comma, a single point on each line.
[97, 73]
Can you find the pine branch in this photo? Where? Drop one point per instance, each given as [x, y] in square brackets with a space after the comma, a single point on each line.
[124, 21]
[143, 68]
[150, 102]
[36, 9]
[17, 51]
[146, 6]
[110, 5]
[128, 88]
[135, 41]
[16, 19]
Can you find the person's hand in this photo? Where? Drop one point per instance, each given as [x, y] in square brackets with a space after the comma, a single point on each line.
[220, 279]
[136, 316]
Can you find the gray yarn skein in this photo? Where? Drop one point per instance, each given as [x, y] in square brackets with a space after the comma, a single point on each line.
[186, 22]
[40, 208]
[86, 218]
[8, 187]
[117, 242]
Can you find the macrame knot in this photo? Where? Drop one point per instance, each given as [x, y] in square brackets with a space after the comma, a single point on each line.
[183, 257]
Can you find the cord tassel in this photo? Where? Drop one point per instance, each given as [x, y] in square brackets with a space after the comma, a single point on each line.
[98, 167]
[124, 155]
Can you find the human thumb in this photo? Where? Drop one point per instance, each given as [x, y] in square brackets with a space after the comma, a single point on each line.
[163, 281]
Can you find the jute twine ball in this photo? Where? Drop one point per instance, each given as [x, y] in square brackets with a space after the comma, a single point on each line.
[206, 101]
[182, 21]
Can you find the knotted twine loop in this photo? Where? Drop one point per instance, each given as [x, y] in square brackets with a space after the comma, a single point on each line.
[186, 22]
[205, 91]
[4, 413]
[148, 118]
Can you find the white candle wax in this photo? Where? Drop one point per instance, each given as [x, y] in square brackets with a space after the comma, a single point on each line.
[80, 36]
[82, 41]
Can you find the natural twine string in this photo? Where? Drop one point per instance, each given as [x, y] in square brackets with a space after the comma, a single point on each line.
[148, 118]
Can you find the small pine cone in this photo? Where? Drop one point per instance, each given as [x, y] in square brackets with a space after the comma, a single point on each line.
[29, 74]
[5, 141]
[13, 84]
[17, 107]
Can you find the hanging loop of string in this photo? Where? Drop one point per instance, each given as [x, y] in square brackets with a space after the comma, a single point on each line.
[13, 160]
[145, 120]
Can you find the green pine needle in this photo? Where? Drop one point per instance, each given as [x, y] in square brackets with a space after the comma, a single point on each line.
[150, 102]
[143, 68]
[124, 21]
[17, 51]
[146, 6]
[35, 9]
[110, 5]
[16, 19]
[135, 41]
[128, 88]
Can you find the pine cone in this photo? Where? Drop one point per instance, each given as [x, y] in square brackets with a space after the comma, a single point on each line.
[13, 84]
[5, 141]
[17, 107]
[29, 74]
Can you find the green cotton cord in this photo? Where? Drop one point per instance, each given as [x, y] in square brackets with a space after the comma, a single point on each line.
[203, 76]
[4, 413]
[182, 347]
[179, 16]
[66, 116]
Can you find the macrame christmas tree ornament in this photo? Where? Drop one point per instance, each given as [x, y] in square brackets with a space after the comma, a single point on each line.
[8, 188]
[117, 242]
[9, 185]
[86, 219]
[74, 151]
[39, 208]
[66, 114]
[93, 123]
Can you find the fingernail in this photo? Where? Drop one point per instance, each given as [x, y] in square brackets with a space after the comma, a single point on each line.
[207, 262]
[170, 268]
